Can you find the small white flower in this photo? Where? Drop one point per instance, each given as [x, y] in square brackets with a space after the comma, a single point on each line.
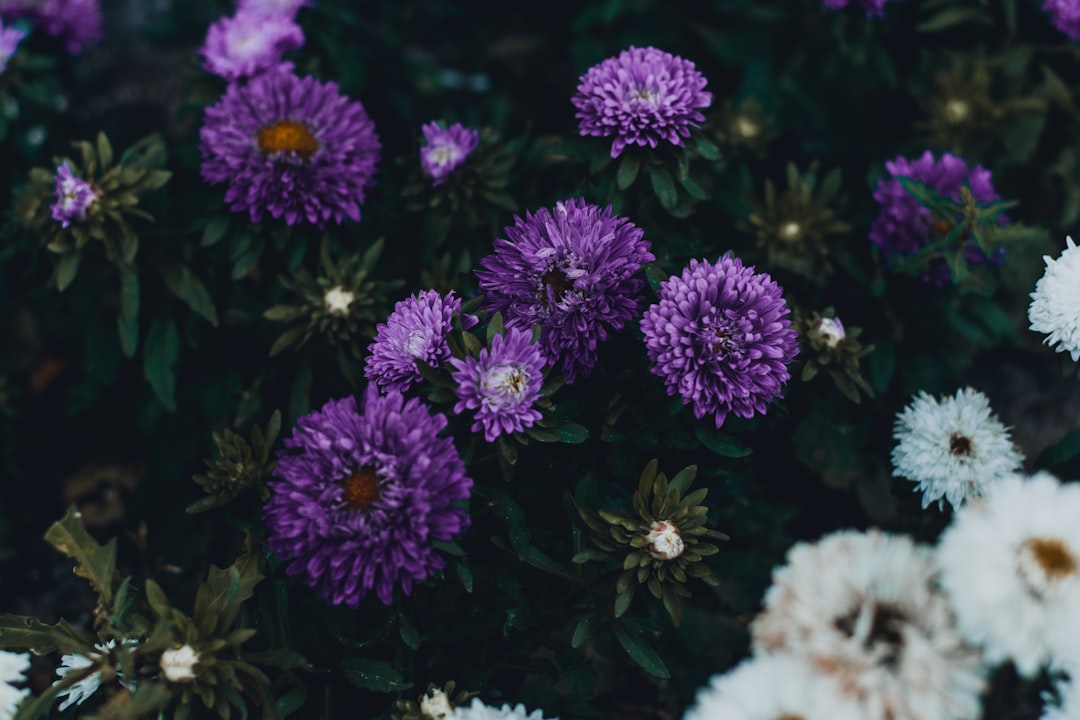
[13, 667]
[955, 448]
[78, 693]
[480, 711]
[831, 330]
[179, 663]
[790, 230]
[337, 300]
[1011, 567]
[436, 705]
[770, 687]
[665, 542]
[864, 608]
[1055, 304]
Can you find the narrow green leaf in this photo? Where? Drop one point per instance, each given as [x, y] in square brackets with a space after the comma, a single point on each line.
[127, 321]
[215, 230]
[495, 327]
[161, 354]
[94, 562]
[67, 268]
[639, 651]
[584, 629]
[374, 675]
[720, 442]
[628, 169]
[409, 634]
[664, 187]
[188, 288]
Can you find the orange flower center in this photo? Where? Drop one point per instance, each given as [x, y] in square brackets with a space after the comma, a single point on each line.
[361, 489]
[287, 136]
[1053, 556]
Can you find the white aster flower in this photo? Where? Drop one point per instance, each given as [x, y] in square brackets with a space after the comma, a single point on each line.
[1011, 567]
[480, 711]
[769, 687]
[13, 667]
[1055, 304]
[955, 448]
[179, 663]
[338, 300]
[435, 705]
[864, 608]
[78, 693]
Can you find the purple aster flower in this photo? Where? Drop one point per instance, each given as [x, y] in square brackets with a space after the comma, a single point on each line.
[74, 196]
[76, 23]
[446, 149]
[361, 495]
[249, 43]
[501, 385]
[641, 96]
[288, 8]
[416, 330]
[10, 37]
[873, 8]
[1065, 16]
[904, 226]
[293, 147]
[720, 337]
[571, 272]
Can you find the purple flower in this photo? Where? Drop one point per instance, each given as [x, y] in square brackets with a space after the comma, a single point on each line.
[640, 97]
[288, 8]
[74, 196]
[293, 147]
[571, 272]
[1065, 16]
[10, 37]
[76, 23]
[360, 496]
[720, 337]
[873, 8]
[446, 149]
[501, 385]
[904, 226]
[249, 43]
[416, 330]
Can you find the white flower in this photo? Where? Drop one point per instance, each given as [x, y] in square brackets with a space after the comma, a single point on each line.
[1055, 304]
[864, 608]
[1011, 567]
[954, 448]
[665, 542]
[78, 693]
[831, 330]
[179, 663]
[337, 300]
[774, 686]
[13, 667]
[1068, 695]
[480, 711]
[435, 705]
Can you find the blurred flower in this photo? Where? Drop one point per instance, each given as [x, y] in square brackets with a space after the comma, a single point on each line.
[288, 8]
[78, 693]
[76, 23]
[179, 664]
[416, 330]
[954, 448]
[1055, 304]
[10, 37]
[239, 465]
[1011, 567]
[720, 337]
[873, 8]
[828, 345]
[446, 149]
[1067, 691]
[250, 42]
[293, 147]
[773, 687]
[1065, 16]
[480, 711]
[74, 196]
[435, 704]
[361, 494]
[501, 385]
[570, 271]
[744, 126]
[863, 608]
[13, 667]
[641, 97]
[830, 330]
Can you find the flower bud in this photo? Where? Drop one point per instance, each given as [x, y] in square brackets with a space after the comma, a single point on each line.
[179, 663]
[665, 542]
[831, 330]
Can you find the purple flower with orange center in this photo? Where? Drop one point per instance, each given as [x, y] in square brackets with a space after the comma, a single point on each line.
[642, 96]
[361, 494]
[572, 271]
[720, 338]
[75, 23]
[249, 43]
[446, 149]
[291, 147]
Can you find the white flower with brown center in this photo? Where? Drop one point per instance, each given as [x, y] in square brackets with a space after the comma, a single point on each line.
[665, 541]
[1055, 304]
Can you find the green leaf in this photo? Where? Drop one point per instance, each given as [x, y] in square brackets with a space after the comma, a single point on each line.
[127, 320]
[655, 275]
[950, 17]
[628, 169]
[707, 149]
[1062, 451]
[67, 268]
[104, 151]
[374, 675]
[408, 631]
[215, 230]
[639, 651]
[584, 629]
[187, 287]
[719, 442]
[664, 187]
[161, 354]
[18, 632]
[96, 563]
[218, 601]
[495, 327]
[572, 433]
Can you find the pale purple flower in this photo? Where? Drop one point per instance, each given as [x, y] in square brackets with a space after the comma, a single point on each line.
[873, 8]
[10, 37]
[1065, 16]
[416, 330]
[74, 196]
[720, 337]
[642, 96]
[446, 149]
[361, 494]
[572, 271]
[75, 23]
[288, 8]
[501, 385]
[249, 43]
[291, 147]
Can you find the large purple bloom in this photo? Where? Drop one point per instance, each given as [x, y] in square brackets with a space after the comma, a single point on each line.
[250, 42]
[446, 149]
[571, 272]
[10, 37]
[873, 8]
[76, 23]
[720, 337]
[361, 495]
[1065, 16]
[293, 147]
[642, 96]
[501, 385]
[74, 196]
[416, 330]
[904, 226]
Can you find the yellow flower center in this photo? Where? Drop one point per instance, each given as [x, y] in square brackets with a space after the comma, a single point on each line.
[287, 136]
[361, 489]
